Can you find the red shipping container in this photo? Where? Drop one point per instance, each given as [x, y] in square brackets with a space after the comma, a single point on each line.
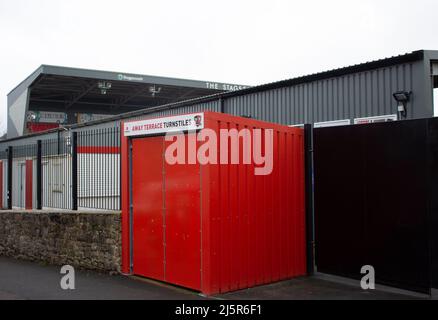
[214, 228]
[1, 184]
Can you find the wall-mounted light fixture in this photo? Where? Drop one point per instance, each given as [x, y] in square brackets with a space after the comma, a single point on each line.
[402, 98]
[104, 86]
[154, 90]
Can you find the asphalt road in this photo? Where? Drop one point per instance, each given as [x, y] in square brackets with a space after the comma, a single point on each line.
[22, 280]
[315, 289]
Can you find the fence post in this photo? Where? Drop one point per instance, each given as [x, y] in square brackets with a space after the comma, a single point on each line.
[58, 143]
[39, 181]
[308, 151]
[10, 163]
[75, 170]
[120, 133]
[221, 105]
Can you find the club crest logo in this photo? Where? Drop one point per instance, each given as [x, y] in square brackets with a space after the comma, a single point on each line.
[198, 121]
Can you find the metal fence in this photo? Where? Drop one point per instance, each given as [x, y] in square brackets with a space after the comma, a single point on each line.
[76, 170]
[99, 169]
[23, 158]
[57, 173]
[3, 179]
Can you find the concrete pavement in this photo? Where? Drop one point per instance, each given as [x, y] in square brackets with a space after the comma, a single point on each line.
[315, 288]
[22, 280]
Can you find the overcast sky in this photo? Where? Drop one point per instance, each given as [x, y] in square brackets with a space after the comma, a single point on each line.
[245, 42]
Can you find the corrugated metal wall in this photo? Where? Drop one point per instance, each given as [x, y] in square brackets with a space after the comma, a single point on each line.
[351, 96]
[256, 223]
[355, 95]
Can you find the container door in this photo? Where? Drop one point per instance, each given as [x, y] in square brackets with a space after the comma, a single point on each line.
[147, 193]
[183, 224]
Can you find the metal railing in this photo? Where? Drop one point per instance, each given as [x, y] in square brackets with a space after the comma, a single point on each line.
[76, 170]
[3, 179]
[57, 173]
[99, 169]
[23, 158]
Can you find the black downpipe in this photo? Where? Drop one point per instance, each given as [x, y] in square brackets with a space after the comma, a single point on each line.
[10, 160]
[75, 171]
[39, 182]
[308, 143]
[221, 105]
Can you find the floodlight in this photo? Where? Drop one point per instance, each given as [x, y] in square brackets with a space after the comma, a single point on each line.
[402, 98]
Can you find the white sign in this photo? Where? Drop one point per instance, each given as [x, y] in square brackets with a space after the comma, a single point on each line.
[189, 122]
[47, 117]
[336, 123]
[224, 86]
[387, 118]
[124, 77]
[86, 117]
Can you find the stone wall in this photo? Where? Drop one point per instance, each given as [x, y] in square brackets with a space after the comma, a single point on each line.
[83, 240]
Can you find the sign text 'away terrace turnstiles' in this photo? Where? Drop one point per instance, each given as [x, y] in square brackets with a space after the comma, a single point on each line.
[181, 123]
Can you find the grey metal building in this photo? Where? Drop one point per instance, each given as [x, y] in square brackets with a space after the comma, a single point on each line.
[65, 96]
[359, 91]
